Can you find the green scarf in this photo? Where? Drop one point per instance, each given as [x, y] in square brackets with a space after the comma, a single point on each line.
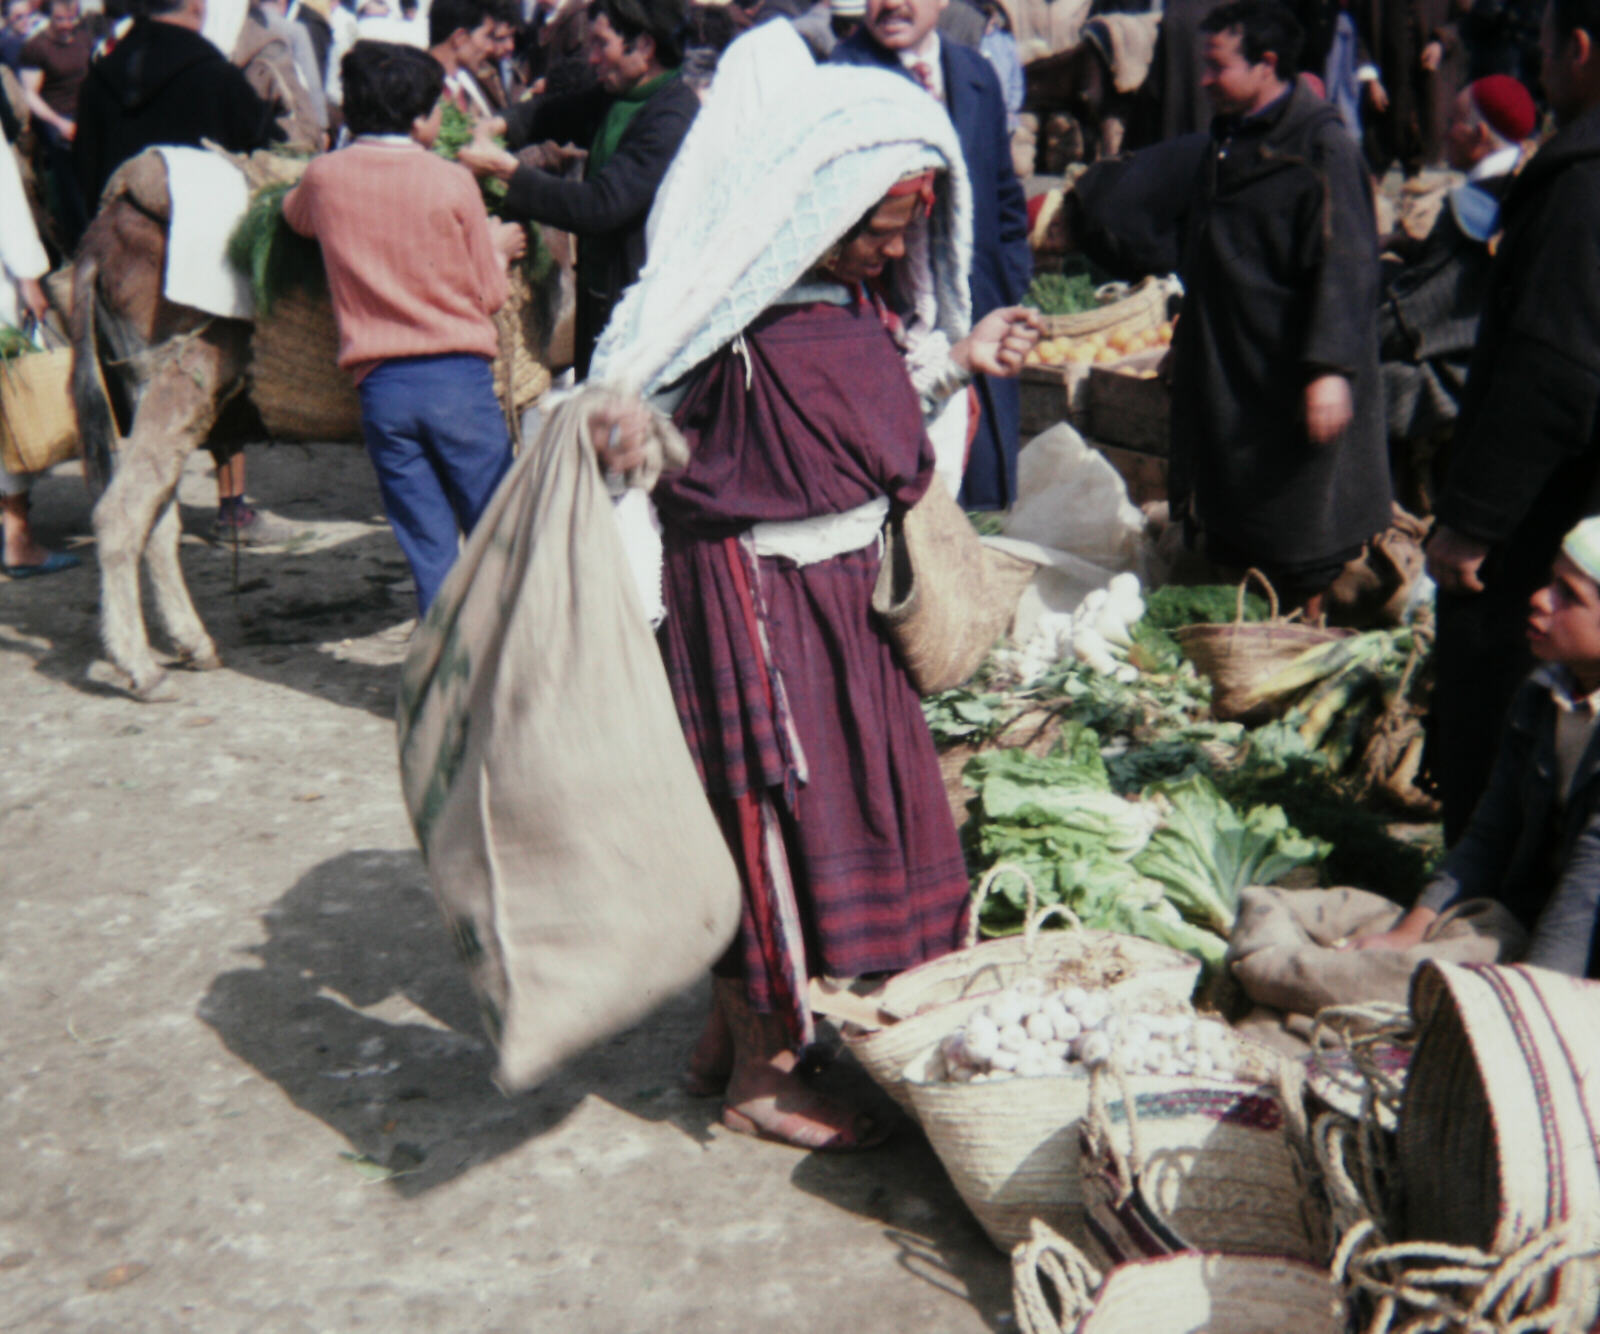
[619, 117]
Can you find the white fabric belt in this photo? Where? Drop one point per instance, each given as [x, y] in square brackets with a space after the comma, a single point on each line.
[806, 541]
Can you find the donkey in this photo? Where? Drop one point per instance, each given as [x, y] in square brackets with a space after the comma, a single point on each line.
[151, 381]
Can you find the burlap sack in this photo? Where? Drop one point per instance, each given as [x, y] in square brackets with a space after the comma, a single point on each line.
[1281, 951]
[566, 833]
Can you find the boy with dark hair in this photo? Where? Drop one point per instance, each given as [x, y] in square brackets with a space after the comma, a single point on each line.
[631, 123]
[1262, 26]
[1534, 840]
[416, 269]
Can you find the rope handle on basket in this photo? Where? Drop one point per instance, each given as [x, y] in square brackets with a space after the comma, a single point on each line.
[1031, 915]
[1097, 1122]
[1359, 1031]
[1035, 924]
[1287, 1081]
[1266, 584]
[1460, 1287]
[1048, 1254]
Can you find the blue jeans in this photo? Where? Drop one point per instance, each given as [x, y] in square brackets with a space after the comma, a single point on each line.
[437, 438]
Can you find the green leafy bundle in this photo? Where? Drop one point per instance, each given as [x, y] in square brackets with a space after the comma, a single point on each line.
[276, 258]
[1061, 293]
[455, 133]
[1167, 865]
[14, 343]
[1205, 853]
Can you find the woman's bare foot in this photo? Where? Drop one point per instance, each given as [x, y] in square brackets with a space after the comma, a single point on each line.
[769, 1100]
[767, 1097]
[711, 1061]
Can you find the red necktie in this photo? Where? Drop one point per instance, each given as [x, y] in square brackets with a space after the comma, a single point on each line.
[922, 72]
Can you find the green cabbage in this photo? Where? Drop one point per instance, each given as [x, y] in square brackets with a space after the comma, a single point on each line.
[1205, 853]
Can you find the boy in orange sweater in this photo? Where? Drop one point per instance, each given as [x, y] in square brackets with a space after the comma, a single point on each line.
[416, 268]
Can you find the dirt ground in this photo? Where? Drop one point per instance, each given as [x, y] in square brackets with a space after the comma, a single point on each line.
[242, 1082]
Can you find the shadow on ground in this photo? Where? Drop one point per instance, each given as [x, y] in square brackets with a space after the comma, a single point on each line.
[326, 614]
[903, 1186]
[357, 1007]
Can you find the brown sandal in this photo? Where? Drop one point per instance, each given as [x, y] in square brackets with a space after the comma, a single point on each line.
[867, 1135]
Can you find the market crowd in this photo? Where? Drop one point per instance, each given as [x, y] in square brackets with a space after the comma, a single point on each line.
[1325, 364]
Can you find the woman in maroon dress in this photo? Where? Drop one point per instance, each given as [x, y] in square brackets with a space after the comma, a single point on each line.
[808, 734]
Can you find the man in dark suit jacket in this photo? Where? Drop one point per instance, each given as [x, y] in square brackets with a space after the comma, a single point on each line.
[901, 35]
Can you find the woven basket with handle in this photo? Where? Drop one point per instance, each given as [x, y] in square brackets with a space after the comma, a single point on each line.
[38, 427]
[921, 1006]
[1012, 1146]
[1201, 1164]
[297, 386]
[1143, 308]
[1178, 1294]
[1239, 657]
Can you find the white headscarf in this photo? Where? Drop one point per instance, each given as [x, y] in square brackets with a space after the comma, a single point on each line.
[784, 158]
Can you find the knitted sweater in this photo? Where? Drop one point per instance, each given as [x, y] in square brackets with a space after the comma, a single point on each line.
[405, 241]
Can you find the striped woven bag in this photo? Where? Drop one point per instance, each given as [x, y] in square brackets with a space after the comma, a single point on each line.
[1499, 1127]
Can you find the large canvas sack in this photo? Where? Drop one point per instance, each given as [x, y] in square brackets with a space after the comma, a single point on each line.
[1284, 953]
[566, 833]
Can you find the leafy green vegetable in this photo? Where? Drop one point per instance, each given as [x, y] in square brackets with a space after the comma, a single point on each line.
[455, 133]
[1154, 649]
[1061, 293]
[1176, 605]
[1205, 853]
[14, 343]
[277, 259]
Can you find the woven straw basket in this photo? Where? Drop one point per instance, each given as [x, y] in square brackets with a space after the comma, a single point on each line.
[297, 386]
[1179, 1294]
[1501, 1116]
[1240, 657]
[924, 1004]
[1143, 308]
[38, 428]
[1012, 1146]
[1202, 1165]
[1079, 956]
[295, 380]
[944, 596]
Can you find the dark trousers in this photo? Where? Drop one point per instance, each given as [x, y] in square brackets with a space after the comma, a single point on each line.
[64, 197]
[1480, 656]
[437, 438]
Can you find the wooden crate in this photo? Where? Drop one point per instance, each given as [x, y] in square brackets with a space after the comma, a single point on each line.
[1053, 394]
[1127, 409]
[1145, 474]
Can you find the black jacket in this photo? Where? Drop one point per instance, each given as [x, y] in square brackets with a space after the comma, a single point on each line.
[162, 84]
[1525, 465]
[607, 211]
[1432, 304]
[1280, 272]
[1531, 847]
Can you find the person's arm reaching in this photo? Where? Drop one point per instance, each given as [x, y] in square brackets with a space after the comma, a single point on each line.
[620, 193]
